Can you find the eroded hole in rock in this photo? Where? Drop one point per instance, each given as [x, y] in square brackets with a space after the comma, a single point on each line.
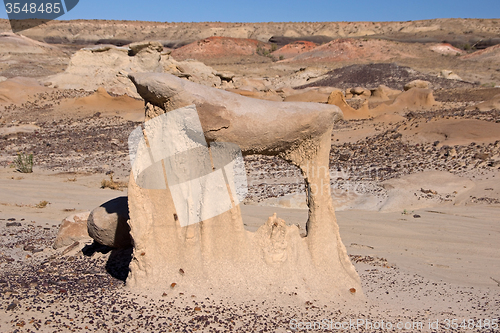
[272, 180]
[274, 185]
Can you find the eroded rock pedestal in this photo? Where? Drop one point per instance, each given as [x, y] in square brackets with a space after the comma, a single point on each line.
[218, 255]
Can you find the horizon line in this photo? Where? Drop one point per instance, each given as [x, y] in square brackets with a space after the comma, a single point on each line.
[264, 22]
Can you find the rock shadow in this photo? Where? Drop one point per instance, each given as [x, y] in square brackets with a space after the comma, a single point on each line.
[118, 262]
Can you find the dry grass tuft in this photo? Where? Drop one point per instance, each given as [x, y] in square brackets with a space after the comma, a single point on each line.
[24, 163]
[42, 204]
[111, 184]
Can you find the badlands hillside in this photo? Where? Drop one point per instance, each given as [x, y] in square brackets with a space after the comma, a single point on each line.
[414, 168]
[92, 31]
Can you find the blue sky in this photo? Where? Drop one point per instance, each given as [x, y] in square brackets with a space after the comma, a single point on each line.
[280, 11]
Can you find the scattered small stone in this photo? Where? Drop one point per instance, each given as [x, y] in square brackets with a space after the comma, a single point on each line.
[13, 224]
[70, 248]
[428, 191]
[11, 306]
[344, 157]
[481, 156]
[416, 216]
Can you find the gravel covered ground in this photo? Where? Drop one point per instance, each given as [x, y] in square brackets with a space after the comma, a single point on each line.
[97, 144]
[87, 143]
[82, 289]
[367, 162]
[44, 290]
[389, 74]
[91, 144]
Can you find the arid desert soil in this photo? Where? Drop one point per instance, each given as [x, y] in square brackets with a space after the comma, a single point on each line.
[408, 274]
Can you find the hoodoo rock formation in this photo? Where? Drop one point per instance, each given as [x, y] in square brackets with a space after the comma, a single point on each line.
[218, 255]
[107, 66]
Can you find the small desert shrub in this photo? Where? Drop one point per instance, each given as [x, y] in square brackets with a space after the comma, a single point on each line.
[42, 204]
[468, 47]
[265, 52]
[111, 184]
[262, 51]
[24, 163]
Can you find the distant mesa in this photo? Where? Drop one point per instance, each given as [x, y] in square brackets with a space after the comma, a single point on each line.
[446, 49]
[114, 41]
[347, 49]
[293, 49]
[283, 40]
[220, 47]
[490, 53]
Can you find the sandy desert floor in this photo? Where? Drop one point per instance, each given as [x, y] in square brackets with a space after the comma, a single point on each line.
[415, 271]
[416, 190]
